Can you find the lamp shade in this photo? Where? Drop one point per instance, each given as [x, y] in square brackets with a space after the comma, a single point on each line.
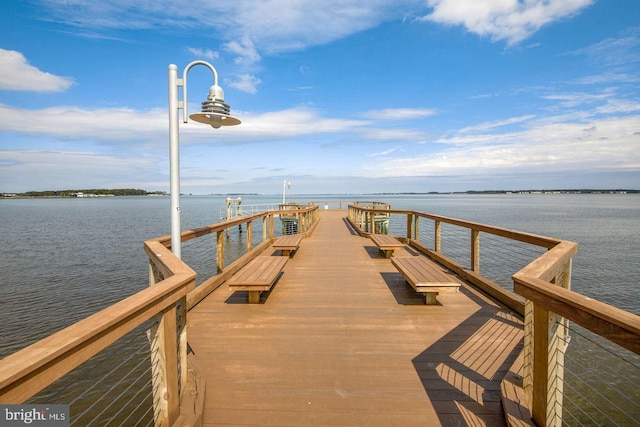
[214, 110]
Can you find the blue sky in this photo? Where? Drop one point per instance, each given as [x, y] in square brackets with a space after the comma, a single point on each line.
[336, 96]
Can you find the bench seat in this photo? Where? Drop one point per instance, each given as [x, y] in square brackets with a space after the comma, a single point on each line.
[257, 276]
[386, 243]
[425, 276]
[288, 243]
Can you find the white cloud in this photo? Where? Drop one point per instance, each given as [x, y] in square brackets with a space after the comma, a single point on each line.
[204, 53]
[293, 123]
[574, 99]
[617, 106]
[124, 126]
[17, 74]
[245, 51]
[59, 170]
[606, 78]
[245, 82]
[614, 51]
[603, 144]
[496, 124]
[509, 20]
[116, 125]
[274, 25]
[385, 152]
[381, 134]
[399, 113]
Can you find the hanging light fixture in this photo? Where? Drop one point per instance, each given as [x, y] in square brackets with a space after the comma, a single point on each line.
[215, 111]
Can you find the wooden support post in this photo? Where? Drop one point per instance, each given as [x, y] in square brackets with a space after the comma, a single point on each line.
[475, 250]
[409, 225]
[264, 228]
[430, 298]
[527, 351]
[372, 222]
[272, 226]
[249, 236]
[416, 228]
[436, 237]
[549, 345]
[540, 364]
[220, 251]
[164, 365]
[545, 343]
[254, 297]
[181, 319]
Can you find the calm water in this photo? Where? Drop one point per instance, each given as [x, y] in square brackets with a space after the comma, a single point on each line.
[63, 259]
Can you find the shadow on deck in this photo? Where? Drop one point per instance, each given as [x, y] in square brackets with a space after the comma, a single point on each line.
[341, 339]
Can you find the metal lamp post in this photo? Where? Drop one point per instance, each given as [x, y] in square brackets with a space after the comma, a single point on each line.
[285, 183]
[214, 112]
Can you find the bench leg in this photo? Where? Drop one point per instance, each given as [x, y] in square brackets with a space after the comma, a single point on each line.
[286, 252]
[388, 253]
[254, 297]
[431, 298]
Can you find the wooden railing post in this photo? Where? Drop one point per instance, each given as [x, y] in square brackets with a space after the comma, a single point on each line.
[220, 251]
[372, 222]
[545, 344]
[436, 237]
[475, 250]
[549, 346]
[409, 225]
[164, 362]
[272, 226]
[181, 319]
[264, 228]
[249, 236]
[540, 365]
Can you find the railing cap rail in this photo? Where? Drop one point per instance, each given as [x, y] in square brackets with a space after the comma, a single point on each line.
[615, 324]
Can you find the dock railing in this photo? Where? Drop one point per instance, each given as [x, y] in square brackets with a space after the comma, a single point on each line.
[176, 386]
[540, 270]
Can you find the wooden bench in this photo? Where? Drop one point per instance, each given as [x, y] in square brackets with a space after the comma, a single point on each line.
[257, 276]
[425, 276]
[288, 243]
[386, 243]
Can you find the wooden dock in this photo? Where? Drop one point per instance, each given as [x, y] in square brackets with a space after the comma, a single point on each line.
[342, 339]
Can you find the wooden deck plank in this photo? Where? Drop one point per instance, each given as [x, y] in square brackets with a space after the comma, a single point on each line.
[342, 340]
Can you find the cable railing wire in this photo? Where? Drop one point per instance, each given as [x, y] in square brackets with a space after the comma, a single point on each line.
[144, 401]
[89, 389]
[120, 397]
[595, 392]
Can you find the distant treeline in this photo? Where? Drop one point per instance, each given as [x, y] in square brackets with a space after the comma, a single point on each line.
[89, 192]
[577, 191]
